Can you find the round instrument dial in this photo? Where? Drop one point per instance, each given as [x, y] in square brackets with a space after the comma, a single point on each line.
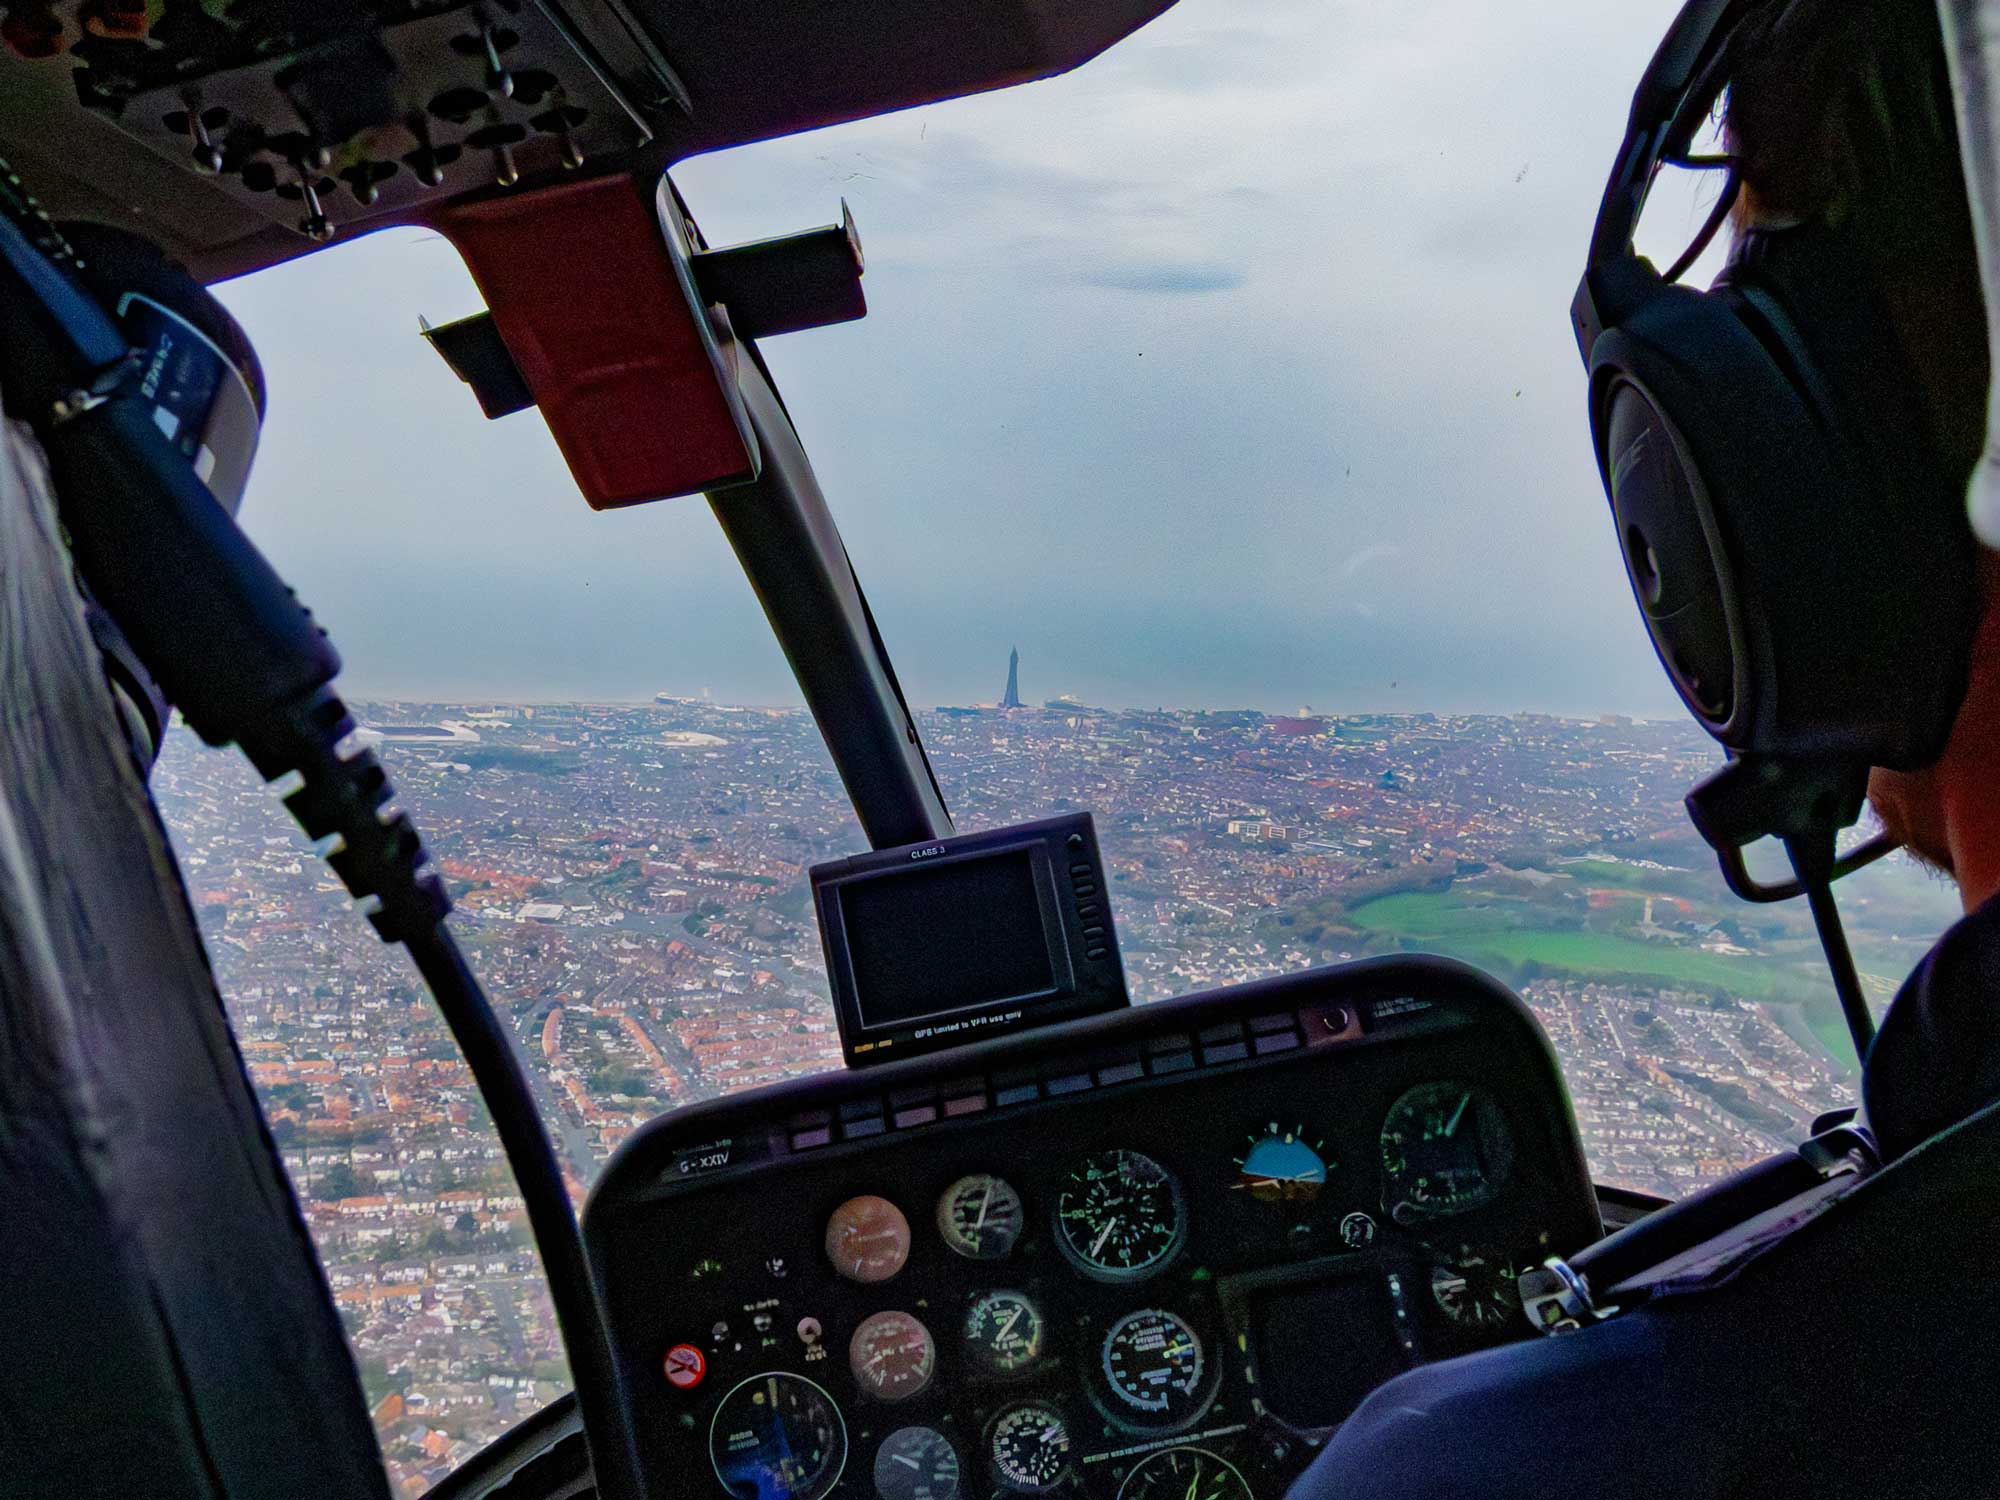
[868, 1239]
[1119, 1216]
[1282, 1166]
[892, 1356]
[777, 1437]
[1477, 1293]
[1446, 1150]
[1029, 1448]
[980, 1217]
[916, 1463]
[1184, 1474]
[1003, 1331]
[1153, 1365]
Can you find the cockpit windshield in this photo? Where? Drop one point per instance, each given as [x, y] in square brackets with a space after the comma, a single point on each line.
[1211, 457]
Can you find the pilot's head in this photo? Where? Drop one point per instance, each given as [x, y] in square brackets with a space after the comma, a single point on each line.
[1840, 115]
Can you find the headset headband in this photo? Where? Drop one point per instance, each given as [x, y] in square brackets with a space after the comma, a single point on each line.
[1679, 85]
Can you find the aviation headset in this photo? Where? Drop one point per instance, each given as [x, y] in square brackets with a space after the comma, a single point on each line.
[148, 400]
[90, 314]
[1805, 570]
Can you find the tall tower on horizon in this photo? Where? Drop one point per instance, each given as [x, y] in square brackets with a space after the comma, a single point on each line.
[1013, 695]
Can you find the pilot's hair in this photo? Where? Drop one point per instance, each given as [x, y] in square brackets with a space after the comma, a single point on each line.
[1839, 113]
[1837, 107]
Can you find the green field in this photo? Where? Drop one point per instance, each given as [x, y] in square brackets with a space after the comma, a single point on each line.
[1610, 872]
[1505, 934]
[1829, 1028]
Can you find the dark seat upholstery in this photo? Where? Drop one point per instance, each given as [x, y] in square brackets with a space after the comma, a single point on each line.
[165, 1330]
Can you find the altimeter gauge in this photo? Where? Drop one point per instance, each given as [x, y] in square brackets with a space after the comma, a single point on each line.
[777, 1437]
[1119, 1216]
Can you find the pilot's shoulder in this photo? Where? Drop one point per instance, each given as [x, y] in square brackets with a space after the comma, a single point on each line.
[1496, 1425]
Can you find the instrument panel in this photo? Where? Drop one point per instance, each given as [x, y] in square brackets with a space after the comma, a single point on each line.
[1157, 1255]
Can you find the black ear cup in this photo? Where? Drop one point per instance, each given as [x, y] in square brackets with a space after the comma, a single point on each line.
[1692, 415]
[1906, 559]
[1799, 568]
[1675, 570]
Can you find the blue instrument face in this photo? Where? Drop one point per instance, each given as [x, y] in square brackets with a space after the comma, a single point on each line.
[1282, 1166]
[778, 1437]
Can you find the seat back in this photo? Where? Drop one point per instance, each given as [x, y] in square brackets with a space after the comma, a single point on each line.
[167, 1328]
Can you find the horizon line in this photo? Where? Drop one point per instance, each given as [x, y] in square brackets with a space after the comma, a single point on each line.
[660, 700]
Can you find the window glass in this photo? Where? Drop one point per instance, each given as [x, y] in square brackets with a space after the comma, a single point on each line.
[1229, 380]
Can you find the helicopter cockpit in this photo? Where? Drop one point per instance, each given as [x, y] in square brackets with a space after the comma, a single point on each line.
[1023, 1205]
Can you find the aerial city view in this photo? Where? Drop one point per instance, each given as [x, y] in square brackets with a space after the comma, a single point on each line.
[631, 882]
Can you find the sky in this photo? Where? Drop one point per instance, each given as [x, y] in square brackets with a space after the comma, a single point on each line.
[1231, 370]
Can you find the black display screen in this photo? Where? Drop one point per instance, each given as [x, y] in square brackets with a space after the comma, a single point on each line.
[1321, 1348]
[957, 935]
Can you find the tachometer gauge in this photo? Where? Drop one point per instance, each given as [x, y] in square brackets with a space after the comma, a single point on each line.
[868, 1239]
[980, 1217]
[1282, 1166]
[916, 1463]
[777, 1437]
[1029, 1448]
[1477, 1293]
[1152, 1364]
[1119, 1216]
[1003, 1332]
[1445, 1150]
[892, 1356]
[1184, 1474]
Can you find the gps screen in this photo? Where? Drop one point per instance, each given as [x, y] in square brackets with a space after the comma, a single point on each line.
[956, 936]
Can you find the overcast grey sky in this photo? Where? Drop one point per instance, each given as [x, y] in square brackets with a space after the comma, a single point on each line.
[1231, 369]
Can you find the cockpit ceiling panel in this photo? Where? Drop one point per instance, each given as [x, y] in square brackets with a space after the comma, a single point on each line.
[242, 134]
[761, 68]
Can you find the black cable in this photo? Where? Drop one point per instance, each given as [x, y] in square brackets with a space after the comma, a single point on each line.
[1813, 862]
[231, 646]
[1846, 982]
[510, 1099]
[342, 798]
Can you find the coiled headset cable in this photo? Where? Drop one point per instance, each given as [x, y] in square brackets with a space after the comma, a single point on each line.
[232, 647]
